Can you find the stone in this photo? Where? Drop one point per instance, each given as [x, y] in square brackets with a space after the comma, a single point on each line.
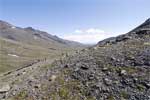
[91, 77]
[53, 77]
[66, 66]
[107, 81]
[76, 69]
[84, 67]
[4, 88]
[148, 85]
[105, 69]
[135, 80]
[37, 86]
[148, 97]
[123, 72]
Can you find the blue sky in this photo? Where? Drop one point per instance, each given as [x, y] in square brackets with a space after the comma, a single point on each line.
[86, 21]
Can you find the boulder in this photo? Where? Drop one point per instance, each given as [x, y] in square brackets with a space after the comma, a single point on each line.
[107, 81]
[4, 87]
[123, 72]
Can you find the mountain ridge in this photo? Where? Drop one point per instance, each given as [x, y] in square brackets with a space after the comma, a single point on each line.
[7, 31]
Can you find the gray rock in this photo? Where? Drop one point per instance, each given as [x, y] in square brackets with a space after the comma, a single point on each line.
[148, 97]
[84, 67]
[105, 69]
[123, 72]
[4, 87]
[107, 81]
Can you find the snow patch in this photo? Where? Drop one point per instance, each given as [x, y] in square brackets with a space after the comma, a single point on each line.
[13, 55]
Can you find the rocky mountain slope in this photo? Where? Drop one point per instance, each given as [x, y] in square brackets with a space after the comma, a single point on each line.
[32, 36]
[20, 47]
[117, 68]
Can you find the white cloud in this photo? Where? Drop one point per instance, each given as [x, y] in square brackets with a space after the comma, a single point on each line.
[88, 36]
[92, 30]
[78, 31]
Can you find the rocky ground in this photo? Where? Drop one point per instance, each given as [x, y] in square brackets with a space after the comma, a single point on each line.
[115, 69]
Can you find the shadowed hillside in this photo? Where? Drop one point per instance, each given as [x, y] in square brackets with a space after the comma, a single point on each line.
[20, 47]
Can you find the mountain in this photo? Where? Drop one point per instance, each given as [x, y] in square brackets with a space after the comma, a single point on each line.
[117, 68]
[21, 46]
[142, 29]
[32, 36]
[144, 26]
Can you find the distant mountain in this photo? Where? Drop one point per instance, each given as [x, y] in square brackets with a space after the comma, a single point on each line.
[32, 36]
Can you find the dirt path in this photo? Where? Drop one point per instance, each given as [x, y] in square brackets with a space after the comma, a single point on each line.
[25, 71]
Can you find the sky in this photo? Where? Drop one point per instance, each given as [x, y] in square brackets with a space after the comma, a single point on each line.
[86, 21]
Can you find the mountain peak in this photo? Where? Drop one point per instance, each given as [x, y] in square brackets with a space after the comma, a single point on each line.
[148, 20]
[144, 26]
